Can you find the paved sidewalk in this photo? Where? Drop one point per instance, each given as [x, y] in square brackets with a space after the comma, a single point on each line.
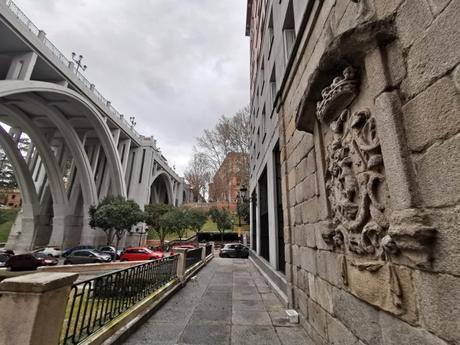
[227, 303]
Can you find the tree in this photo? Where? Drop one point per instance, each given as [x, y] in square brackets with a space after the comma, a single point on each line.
[231, 134]
[198, 175]
[115, 216]
[196, 218]
[179, 220]
[7, 174]
[222, 218]
[154, 218]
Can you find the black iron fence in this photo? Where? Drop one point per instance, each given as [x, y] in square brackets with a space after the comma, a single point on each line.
[95, 302]
[193, 256]
[208, 249]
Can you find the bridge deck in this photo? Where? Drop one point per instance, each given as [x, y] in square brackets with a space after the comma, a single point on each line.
[227, 303]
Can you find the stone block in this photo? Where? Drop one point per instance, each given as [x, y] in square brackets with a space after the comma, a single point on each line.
[308, 259]
[309, 235]
[432, 115]
[412, 19]
[310, 211]
[301, 171]
[439, 304]
[309, 188]
[387, 7]
[310, 162]
[299, 192]
[376, 286]
[433, 55]
[438, 173]
[295, 255]
[396, 63]
[328, 265]
[438, 5]
[446, 222]
[312, 333]
[320, 229]
[292, 197]
[320, 292]
[291, 179]
[298, 210]
[302, 298]
[299, 238]
[317, 317]
[359, 317]
[396, 332]
[338, 334]
[456, 77]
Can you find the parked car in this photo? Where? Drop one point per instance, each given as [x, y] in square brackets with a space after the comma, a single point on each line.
[8, 252]
[70, 250]
[234, 250]
[86, 256]
[30, 261]
[140, 253]
[3, 259]
[51, 251]
[114, 253]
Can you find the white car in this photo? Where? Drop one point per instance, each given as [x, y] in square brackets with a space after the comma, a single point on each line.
[52, 251]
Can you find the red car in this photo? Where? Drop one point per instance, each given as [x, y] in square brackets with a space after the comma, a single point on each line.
[140, 253]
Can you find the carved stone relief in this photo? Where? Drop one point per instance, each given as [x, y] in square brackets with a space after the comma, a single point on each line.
[361, 219]
[355, 176]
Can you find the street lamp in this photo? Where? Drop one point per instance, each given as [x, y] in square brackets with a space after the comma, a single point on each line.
[131, 120]
[241, 199]
[78, 61]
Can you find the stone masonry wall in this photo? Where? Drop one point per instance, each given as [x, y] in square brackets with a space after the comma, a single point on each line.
[373, 234]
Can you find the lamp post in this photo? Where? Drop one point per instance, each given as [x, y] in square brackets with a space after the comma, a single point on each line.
[132, 121]
[241, 199]
[78, 61]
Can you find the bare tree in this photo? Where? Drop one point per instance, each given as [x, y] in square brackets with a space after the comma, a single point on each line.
[231, 134]
[198, 175]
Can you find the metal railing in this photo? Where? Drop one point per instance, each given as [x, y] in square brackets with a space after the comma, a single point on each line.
[67, 63]
[208, 249]
[95, 302]
[193, 257]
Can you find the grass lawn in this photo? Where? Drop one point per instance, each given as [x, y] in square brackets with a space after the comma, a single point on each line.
[209, 226]
[10, 215]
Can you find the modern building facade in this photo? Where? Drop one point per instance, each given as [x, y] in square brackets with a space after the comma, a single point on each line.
[355, 116]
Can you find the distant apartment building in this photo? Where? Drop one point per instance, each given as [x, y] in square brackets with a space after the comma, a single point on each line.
[11, 198]
[354, 165]
[228, 180]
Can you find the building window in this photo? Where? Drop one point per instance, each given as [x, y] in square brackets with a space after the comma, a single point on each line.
[273, 87]
[271, 34]
[264, 125]
[288, 31]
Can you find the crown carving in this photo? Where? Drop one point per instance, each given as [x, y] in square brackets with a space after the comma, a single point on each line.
[338, 95]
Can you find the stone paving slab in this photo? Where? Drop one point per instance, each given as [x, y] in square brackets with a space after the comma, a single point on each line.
[228, 303]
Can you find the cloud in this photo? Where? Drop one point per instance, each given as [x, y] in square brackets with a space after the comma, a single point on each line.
[176, 65]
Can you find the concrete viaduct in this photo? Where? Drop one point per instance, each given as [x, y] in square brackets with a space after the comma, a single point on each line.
[82, 149]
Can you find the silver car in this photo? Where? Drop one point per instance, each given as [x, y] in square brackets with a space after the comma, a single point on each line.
[86, 256]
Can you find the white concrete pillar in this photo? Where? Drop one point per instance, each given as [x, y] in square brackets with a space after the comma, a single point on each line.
[181, 263]
[32, 308]
[21, 66]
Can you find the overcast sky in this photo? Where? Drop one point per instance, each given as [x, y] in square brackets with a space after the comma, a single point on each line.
[177, 65]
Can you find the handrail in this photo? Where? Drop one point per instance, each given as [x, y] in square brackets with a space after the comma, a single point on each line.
[95, 302]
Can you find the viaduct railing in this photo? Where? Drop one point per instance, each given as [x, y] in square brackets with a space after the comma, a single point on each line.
[93, 310]
[65, 62]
